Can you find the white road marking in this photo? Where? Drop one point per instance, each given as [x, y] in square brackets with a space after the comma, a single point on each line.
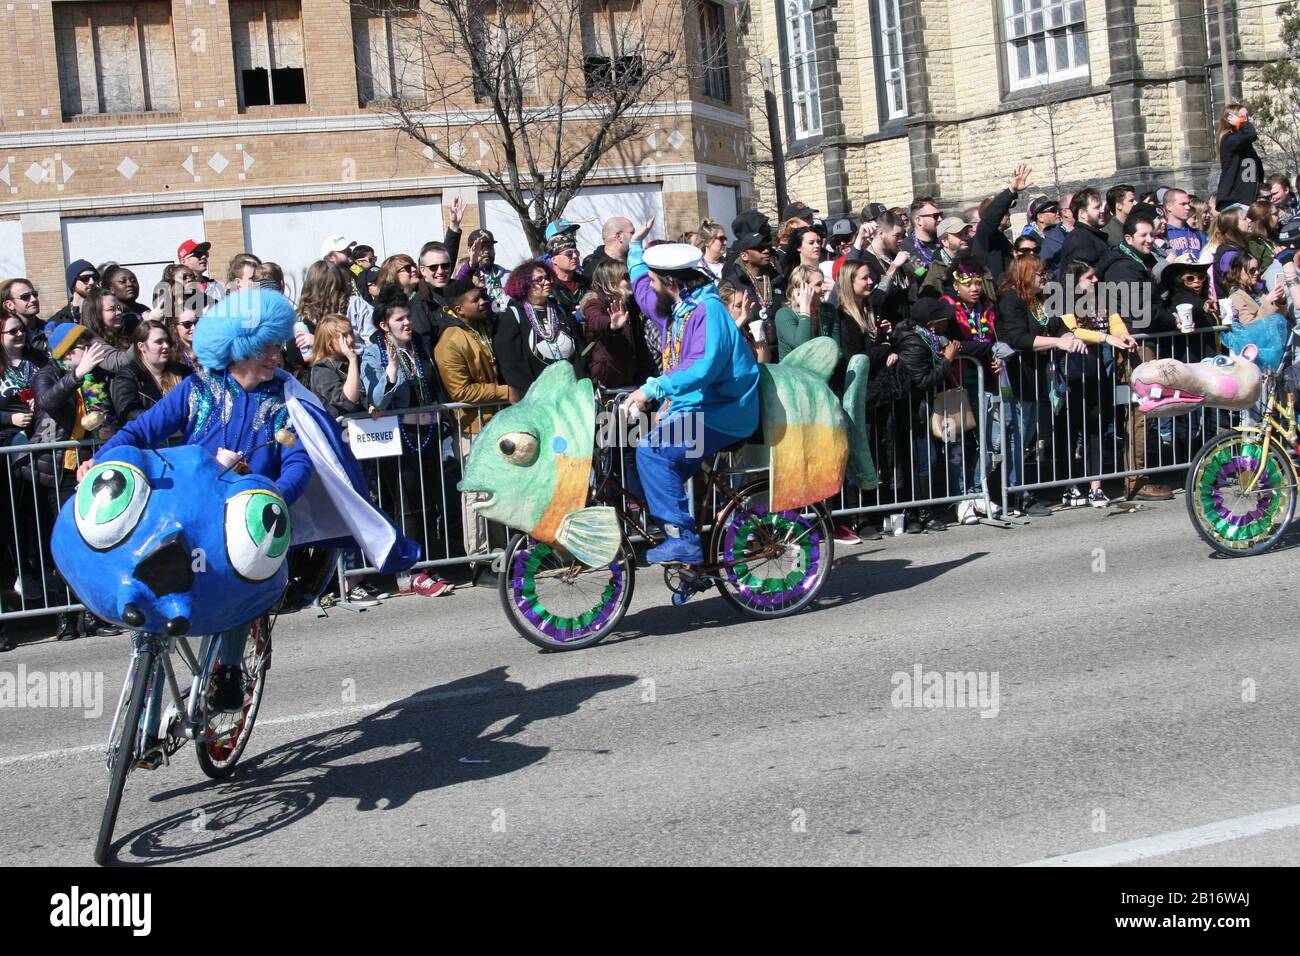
[1162, 844]
[354, 710]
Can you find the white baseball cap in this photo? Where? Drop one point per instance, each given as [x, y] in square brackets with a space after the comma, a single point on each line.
[335, 243]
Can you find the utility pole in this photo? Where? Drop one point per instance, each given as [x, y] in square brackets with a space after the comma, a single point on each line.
[774, 135]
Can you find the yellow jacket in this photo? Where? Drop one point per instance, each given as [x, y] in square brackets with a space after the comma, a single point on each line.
[469, 374]
[1092, 336]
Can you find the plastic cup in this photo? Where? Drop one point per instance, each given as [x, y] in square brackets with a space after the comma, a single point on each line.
[1184, 317]
[1227, 314]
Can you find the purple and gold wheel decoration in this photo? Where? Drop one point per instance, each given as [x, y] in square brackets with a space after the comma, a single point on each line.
[770, 584]
[562, 605]
[1240, 504]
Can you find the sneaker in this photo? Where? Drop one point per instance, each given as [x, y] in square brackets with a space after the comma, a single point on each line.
[359, 596]
[930, 523]
[868, 532]
[914, 525]
[430, 585]
[683, 549]
[376, 591]
[846, 535]
[966, 513]
[1073, 497]
[1097, 498]
[1034, 508]
[229, 694]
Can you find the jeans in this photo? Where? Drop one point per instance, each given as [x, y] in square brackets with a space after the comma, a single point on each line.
[1022, 434]
[665, 462]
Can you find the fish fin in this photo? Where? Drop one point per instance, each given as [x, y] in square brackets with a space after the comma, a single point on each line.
[591, 535]
[818, 355]
[862, 468]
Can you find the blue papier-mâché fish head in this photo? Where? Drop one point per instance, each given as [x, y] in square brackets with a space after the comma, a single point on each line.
[170, 542]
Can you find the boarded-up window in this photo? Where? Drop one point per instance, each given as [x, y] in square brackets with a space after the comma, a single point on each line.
[386, 39]
[611, 45]
[267, 36]
[115, 57]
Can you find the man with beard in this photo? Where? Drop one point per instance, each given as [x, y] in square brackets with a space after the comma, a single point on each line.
[482, 268]
[889, 264]
[709, 381]
[1085, 242]
[616, 236]
[954, 247]
[923, 244]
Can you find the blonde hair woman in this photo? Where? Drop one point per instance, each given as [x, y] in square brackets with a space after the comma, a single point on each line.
[806, 313]
[335, 366]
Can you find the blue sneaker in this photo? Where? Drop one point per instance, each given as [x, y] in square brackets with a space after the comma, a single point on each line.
[684, 549]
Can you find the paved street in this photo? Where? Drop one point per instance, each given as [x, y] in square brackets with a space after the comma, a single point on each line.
[426, 731]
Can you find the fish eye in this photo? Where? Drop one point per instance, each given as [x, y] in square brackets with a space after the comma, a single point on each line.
[110, 500]
[518, 448]
[257, 534]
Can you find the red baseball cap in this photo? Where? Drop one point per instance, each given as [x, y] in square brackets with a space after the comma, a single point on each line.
[189, 247]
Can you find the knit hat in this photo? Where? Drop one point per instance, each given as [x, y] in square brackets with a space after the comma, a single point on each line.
[77, 268]
[241, 325]
[63, 337]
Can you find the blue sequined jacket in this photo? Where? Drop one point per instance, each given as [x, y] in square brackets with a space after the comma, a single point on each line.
[211, 409]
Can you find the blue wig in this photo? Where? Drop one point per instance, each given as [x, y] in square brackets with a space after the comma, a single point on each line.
[241, 325]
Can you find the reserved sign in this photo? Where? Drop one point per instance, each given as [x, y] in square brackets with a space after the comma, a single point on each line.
[374, 437]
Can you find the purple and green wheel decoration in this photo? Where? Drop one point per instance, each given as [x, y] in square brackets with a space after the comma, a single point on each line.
[589, 605]
[773, 583]
[1241, 518]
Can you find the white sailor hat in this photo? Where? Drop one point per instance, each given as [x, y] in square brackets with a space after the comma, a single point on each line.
[675, 257]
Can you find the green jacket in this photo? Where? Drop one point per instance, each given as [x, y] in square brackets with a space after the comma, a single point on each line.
[793, 330]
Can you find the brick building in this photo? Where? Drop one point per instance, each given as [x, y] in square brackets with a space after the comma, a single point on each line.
[884, 100]
[129, 126]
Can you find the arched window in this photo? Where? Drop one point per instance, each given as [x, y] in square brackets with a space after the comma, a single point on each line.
[801, 71]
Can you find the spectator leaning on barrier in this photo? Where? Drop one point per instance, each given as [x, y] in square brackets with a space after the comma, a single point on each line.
[21, 363]
[1241, 174]
[1184, 281]
[19, 298]
[534, 331]
[140, 385]
[58, 392]
[1026, 327]
[468, 368]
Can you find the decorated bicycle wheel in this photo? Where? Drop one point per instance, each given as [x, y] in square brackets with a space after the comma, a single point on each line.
[771, 563]
[226, 734]
[1241, 494]
[558, 603]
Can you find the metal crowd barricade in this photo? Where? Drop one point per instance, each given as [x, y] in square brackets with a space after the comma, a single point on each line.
[1074, 422]
[32, 505]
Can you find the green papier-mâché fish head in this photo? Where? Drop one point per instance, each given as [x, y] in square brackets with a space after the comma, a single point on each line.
[530, 468]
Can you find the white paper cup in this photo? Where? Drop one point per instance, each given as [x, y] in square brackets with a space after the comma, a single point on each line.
[1184, 317]
[1227, 314]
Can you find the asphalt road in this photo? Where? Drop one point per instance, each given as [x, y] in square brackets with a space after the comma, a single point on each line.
[1146, 711]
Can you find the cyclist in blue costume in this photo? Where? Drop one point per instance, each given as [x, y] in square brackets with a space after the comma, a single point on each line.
[234, 405]
[708, 390]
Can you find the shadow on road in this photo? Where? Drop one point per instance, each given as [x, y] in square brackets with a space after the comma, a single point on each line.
[381, 761]
[853, 578]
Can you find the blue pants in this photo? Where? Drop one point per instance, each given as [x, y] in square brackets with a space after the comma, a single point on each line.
[668, 457]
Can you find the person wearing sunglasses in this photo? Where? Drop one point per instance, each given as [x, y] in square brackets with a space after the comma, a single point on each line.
[182, 332]
[535, 331]
[754, 275]
[82, 277]
[19, 298]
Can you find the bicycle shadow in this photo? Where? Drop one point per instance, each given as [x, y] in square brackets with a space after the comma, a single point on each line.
[381, 761]
[708, 611]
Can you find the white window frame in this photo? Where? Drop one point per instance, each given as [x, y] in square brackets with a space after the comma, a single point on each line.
[892, 75]
[801, 76]
[1050, 36]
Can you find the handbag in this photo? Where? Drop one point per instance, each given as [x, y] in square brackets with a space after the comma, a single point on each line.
[950, 414]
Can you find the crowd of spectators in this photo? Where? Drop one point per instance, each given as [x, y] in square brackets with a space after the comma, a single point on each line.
[941, 301]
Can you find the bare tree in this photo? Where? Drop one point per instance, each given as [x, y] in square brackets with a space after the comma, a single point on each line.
[1273, 106]
[526, 98]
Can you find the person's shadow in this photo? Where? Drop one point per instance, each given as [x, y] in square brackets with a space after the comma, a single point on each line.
[436, 738]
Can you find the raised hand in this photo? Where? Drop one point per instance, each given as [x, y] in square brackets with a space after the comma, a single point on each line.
[643, 230]
[617, 315]
[1020, 178]
[457, 212]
